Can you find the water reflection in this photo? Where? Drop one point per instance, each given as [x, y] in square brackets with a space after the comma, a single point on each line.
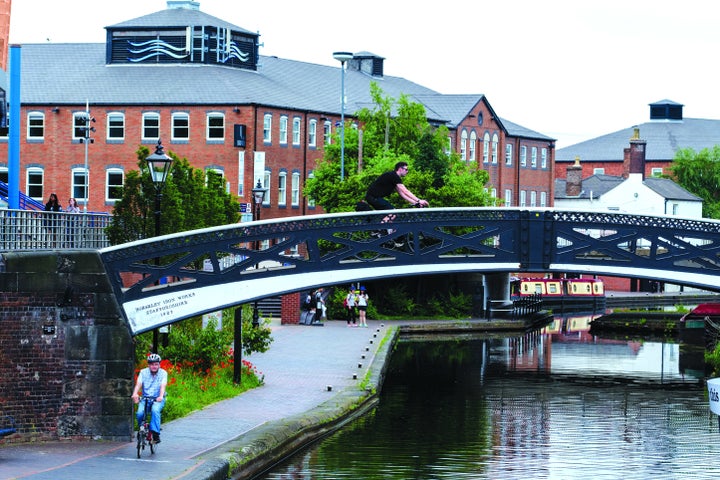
[558, 403]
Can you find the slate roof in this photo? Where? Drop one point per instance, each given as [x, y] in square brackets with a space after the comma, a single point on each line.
[598, 185]
[177, 17]
[519, 131]
[58, 74]
[670, 190]
[663, 137]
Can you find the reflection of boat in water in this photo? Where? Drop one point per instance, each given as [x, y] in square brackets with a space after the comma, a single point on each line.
[573, 327]
[558, 293]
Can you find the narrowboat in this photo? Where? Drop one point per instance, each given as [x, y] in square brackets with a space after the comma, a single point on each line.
[562, 293]
[702, 321]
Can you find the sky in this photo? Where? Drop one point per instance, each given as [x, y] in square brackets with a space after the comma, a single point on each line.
[572, 70]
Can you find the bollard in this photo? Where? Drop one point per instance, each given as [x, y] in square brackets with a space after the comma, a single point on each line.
[329, 388]
[354, 376]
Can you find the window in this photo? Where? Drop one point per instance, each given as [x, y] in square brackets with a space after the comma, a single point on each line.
[523, 194]
[282, 189]
[533, 157]
[215, 126]
[508, 154]
[4, 175]
[449, 145]
[523, 156]
[283, 137]
[241, 173]
[656, 172]
[180, 126]
[508, 197]
[79, 184]
[310, 200]
[312, 133]
[296, 131]
[543, 158]
[295, 189]
[598, 171]
[327, 133]
[494, 148]
[486, 148]
[36, 126]
[463, 145]
[34, 183]
[151, 126]
[116, 126]
[113, 184]
[267, 128]
[473, 146]
[543, 199]
[493, 192]
[266, 184]
[533, 198]
[79, 126]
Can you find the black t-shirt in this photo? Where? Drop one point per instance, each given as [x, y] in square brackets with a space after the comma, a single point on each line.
[384, 185]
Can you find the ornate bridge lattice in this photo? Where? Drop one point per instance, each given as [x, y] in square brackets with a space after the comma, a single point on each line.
[166, 279]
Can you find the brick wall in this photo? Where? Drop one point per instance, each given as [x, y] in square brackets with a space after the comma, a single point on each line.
[291, 308]
[66, 355]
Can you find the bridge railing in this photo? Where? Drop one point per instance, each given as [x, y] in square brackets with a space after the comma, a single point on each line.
[40, 230]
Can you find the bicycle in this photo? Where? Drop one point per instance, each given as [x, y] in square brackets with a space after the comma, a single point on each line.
[403, 242]
[144, 435]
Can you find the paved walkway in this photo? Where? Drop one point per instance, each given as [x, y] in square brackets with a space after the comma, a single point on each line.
[300, 365]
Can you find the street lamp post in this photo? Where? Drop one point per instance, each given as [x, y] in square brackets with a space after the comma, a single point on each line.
[258, 197]
[158, 165]
[342, 57]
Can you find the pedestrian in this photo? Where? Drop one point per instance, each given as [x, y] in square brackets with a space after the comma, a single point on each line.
[350, 307]
[362, 304]
[319, 305]
[151, 381]
[52, 221]
[71, 230]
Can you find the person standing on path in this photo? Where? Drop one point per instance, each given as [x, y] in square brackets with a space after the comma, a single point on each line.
[362, 304]
[319, 305]
[350, 304]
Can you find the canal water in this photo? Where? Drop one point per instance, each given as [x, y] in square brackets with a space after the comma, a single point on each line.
[554, 404]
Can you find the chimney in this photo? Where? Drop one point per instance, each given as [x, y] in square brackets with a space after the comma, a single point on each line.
[573, 182]
[634, 156]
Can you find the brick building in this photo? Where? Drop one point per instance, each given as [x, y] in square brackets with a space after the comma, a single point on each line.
[666, 132]
[199, 84]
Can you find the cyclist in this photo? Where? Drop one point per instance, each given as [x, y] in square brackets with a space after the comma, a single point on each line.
[152, 381]
[384, 186]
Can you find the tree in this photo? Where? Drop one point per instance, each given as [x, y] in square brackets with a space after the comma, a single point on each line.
[441, 178]
[191, 199]
[699, 173]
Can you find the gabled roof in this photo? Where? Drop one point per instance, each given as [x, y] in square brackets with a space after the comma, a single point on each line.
[516, 130]
[670, 190]
[663, 138]
[593, 186]
[71, 74]
[598, 185]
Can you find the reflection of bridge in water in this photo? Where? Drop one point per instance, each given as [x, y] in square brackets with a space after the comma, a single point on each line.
[165, 279]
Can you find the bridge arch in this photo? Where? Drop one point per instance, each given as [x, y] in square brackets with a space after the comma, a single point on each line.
[165, 279]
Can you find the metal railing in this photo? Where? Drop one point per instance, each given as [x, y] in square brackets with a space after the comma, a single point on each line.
[33, 230]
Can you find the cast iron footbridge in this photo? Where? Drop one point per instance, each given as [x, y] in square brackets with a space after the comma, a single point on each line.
[165, 279]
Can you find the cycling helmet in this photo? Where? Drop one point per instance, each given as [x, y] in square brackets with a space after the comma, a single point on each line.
[153, 358]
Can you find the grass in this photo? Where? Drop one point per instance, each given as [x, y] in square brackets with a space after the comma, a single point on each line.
[189, 390]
